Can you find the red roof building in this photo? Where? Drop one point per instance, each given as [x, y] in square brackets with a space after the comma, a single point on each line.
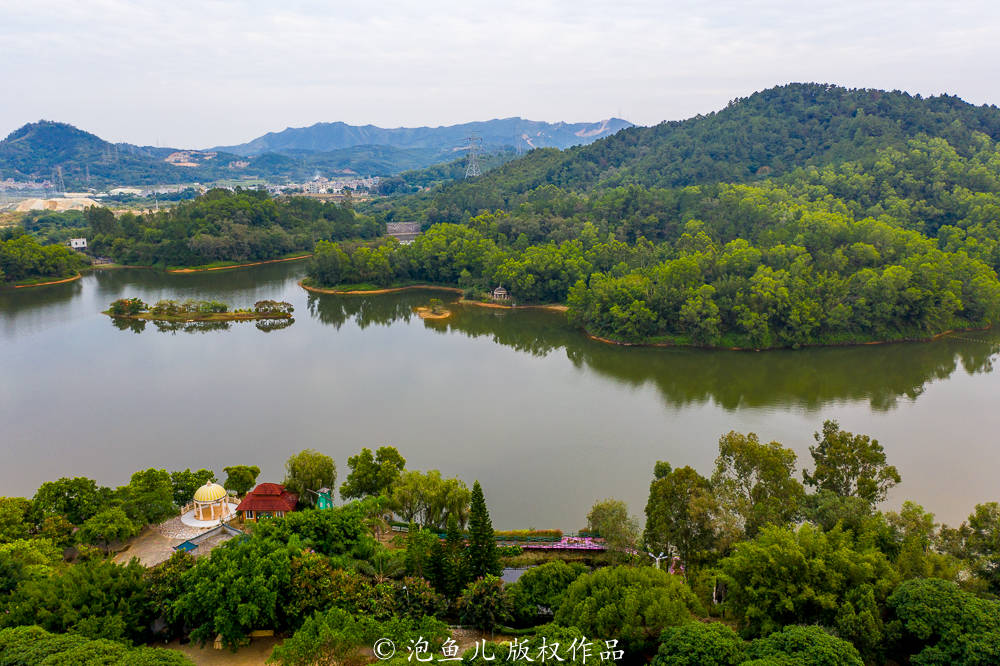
[267, 500]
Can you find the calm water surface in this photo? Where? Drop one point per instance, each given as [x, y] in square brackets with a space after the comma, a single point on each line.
[547, 420]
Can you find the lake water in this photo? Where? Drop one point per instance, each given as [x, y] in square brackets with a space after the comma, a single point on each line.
[546, 419]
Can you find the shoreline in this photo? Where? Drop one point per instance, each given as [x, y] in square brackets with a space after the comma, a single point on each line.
[219, 316]
[815, 345]
[387, 290]
[555, 307]
[51, 282]
[246, 265]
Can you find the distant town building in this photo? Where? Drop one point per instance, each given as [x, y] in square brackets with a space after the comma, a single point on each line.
[267, 500]
[78, 243]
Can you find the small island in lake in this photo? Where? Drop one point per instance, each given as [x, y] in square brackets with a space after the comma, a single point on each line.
[434, 310]
[196, 311]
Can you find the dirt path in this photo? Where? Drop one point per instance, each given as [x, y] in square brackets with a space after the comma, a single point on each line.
[225, 268]
[45, 284]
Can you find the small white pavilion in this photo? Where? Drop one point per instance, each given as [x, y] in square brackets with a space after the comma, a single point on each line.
[212, 506]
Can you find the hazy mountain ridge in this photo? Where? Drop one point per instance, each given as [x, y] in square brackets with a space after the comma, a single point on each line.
[765, 134]
[40, 151]
[516, 132]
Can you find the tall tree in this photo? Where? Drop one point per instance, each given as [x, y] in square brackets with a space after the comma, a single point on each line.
[149, 496]
[680, 513]
[610, 518]
[419, 549]
[372, 474]
[240, 478]
[850, 465]
[309, 470]
[454, 570]
[483, 558]
[755, 481]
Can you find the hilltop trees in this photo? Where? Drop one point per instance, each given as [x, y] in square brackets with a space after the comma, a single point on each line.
[372, 474]
[221, 225]
[850, 465]
[430, 499]
[681, 513]
[187, 482]
[309, 470]
[610, 518]
[240, 478]
[755, 481]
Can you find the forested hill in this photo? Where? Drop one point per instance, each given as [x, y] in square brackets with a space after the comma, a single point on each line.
[764, 135]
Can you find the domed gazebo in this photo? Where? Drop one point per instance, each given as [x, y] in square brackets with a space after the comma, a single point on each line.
[210, 502]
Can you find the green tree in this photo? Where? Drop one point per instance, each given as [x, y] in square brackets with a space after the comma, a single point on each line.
[982, 543]
[309, 470]
[699, 644]
[14, 512]
[803, 645]
[95, 598]
[680, 513]
[453, 565]
[824, 579]
[337, 637]
[149, 496]
[419, 548]
[850, 465]
[243, 585]
[610, 518]
[630, 604]
[29, 646]
[940, 623]
[78, 499]
[185, 483]
[429, 499]
[482, 557]
[755, 481]
[240, 478]
[372, 474]
[109, 527]
[164, 586]
[545, 585]
[484, 603]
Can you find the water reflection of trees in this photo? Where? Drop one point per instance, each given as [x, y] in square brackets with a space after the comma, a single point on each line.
[365, 311]
[810, 378]
[174, 327]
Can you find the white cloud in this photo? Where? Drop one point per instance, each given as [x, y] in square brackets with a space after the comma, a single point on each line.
[203, 73]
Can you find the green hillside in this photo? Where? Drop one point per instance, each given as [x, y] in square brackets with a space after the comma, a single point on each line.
[765, 135]
[805, 214]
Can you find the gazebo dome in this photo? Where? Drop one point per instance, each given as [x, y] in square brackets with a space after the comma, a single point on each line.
[210, 492]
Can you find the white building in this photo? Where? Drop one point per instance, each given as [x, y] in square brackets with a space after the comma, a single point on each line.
[78, 243]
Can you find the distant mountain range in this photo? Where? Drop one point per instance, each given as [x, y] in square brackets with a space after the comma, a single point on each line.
[514, 132]
[49, 150]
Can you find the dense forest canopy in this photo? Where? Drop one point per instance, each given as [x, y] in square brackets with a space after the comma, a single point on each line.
[901, 246]
[767, 134]
[224, 226]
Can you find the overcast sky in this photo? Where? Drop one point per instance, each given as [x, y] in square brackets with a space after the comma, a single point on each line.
[197, 74]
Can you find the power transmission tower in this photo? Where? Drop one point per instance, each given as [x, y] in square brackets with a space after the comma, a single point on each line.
[62, 183]
[472, 165]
